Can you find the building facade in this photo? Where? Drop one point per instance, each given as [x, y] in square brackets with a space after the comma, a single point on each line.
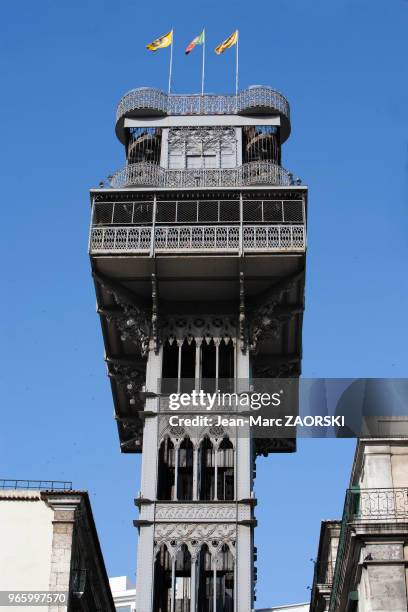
[49, 544]
[362, 563]
[198, 255]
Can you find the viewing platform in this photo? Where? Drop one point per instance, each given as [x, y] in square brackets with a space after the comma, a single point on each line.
[152, 226]
[255, 100]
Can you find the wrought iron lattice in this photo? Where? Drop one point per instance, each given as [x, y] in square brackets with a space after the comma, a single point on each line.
[143, 99]
[201, 238]
[144, 145]
[260, 142]
[254, 173]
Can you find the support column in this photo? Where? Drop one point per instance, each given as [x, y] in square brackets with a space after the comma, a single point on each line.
[173, 584]
[215, 584]
[179, 344]
[215, 471]
[193, 603]
[244, 569]
[195, 473]
[176, 464]
[217, 361]
[197, 374]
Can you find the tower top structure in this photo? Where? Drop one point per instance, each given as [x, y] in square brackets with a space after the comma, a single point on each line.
[256, 101]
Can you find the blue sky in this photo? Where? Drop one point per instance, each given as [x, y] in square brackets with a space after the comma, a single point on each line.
[63, 67]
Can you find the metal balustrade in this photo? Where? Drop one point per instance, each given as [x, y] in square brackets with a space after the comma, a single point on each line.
[155, 100]
[145, 174]
[197, 238]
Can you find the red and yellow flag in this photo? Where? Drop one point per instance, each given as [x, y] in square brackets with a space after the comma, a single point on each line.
[229, 42]
[162, 42]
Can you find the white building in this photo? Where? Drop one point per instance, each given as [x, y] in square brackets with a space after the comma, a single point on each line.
[48, 543]
[123, 593]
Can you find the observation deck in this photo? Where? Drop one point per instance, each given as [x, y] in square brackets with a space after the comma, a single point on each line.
[256, 100]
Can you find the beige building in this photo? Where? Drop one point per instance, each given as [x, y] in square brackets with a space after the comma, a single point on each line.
[362, 563]
[49, 544]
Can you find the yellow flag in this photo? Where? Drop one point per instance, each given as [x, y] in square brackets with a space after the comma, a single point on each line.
[231, 40]
[162, 42]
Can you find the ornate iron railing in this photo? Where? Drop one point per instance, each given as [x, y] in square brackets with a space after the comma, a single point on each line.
[361, 505]
[145, 174]
[155, 100]
[197, 238]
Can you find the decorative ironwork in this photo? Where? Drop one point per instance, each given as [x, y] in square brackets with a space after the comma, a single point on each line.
[265, 321]
[197, 238]
[146, 98]
[133, 321]
[131, 379]
[145, 174]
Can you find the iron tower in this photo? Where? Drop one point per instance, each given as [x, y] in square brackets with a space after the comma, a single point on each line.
[198, 252]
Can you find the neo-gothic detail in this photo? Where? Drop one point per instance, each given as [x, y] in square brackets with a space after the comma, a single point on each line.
[198, 252]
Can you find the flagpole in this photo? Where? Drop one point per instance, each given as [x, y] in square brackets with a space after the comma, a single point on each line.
[236, 64]
[171, 59]
[203, 67]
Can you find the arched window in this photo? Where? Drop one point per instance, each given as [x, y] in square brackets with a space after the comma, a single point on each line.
[166, 467]
[187, 371]
[185, 470]
[182, 586]
[208, 365]
[216, 583]
[225, 471]
[170, 367]
[206, 473]
[225, 581]
[205, 598]
[226, 366]
[162, 581]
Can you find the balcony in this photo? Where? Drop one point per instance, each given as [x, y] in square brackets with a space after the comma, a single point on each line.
[145, 174]
[232, 226]
[198, 239]
[255, 100]
[366, 507]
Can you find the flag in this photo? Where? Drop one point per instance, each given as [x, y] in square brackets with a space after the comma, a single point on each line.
[229, 42]
[198, 40]
[162, 42]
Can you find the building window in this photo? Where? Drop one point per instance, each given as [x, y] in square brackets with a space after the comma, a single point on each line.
[166, 468]
[185, 471]
[216, 584]
[162, 581]
[208, 365]
[206, 470]
[216, 471]
[202, 147]
[172, 581]
[201, 161]
[225, 471]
